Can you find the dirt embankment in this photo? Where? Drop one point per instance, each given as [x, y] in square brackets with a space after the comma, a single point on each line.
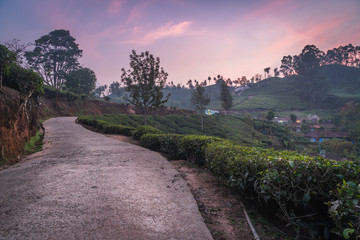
[52, 107]
[18, 122]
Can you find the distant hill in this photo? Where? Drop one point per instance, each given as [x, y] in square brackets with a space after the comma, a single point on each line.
[278, 94]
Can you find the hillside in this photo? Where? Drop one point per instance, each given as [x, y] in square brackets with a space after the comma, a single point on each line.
[279, 94]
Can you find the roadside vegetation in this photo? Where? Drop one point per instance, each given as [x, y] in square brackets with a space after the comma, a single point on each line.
[305, 192]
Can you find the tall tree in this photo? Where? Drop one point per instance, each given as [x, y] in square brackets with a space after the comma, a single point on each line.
[226, 98]
[286, 67]
[100, 90]
[7, 58]
[81, 81]
[309, 83]
[200, 100]
[276, 72]
[267, 71]
[54, 56]
[115, 89]
[270, 116]
[145, 82]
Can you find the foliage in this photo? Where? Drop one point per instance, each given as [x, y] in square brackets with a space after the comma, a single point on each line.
[100, 90]
[6, 59]
[199, 98]
[115, 90]
[34, 144]
[337, 146]
[51, 92]
[293, 118]
[25, 81]
[270, 116]
[283, 135]
[144, 129]
[345, 210]
[229, 127]
[310, 84]
[193, 146]
[285, 183]
[54, 56]
[225, 97]
[145, 82]
[81, 81]
[166, 143]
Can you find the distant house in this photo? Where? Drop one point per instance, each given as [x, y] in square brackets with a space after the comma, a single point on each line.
[211, 112]
[281, 120]
[241, 88]
[324, 135]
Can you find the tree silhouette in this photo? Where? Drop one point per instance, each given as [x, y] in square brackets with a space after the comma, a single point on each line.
[225, 97]
[145, 81]
[267, 71]
[270, 116]
[309, 83]
[54, 56]
[200, 100]
[286, 67]
[81, 81]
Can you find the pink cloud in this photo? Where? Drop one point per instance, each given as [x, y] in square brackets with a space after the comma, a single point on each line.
[167, 30]
[115, 7]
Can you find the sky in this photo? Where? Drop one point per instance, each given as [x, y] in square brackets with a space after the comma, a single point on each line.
[194, 39]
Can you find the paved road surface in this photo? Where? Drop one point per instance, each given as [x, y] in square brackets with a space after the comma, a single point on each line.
[87, 186]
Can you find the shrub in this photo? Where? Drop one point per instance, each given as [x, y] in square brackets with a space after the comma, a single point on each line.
[193, 147]
[166, 143]
[144, 129]
[338, 146]
[294, 186]
[151, 141]
[345, 210]
[118, 129]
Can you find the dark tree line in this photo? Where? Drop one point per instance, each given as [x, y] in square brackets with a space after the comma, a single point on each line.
[344, 55]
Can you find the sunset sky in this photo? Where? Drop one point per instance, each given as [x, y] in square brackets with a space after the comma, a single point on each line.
[193, 38]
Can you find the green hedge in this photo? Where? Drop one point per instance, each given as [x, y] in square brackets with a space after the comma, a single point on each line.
[193, 147]
[288, 184]
[166, 143]
[106, 126]
[144, 129]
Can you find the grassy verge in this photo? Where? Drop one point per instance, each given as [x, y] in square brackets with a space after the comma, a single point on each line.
[35, 143]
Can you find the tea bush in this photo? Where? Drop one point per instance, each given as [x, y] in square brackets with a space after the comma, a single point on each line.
[294, 186]
[193, 147]
[106, 126]
[144, 129]
[166, 143]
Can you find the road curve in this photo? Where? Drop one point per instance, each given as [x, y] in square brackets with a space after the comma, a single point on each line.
[84, 185]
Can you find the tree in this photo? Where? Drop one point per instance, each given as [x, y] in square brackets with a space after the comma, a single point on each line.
[55, 55]
[226, 98]
[266, 71]
[145, 82]
[100, 90]
[293, 118]
[200, 101]
[310, 83]
[7, 58]
[270, 116]
[19, 50]
[276, 72]
[81, 81]
[286, 67]
[115, 89]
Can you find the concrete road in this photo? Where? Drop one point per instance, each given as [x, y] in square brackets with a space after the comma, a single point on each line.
[87, 186]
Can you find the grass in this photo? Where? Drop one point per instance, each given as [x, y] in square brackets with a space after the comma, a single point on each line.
[35, 143]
